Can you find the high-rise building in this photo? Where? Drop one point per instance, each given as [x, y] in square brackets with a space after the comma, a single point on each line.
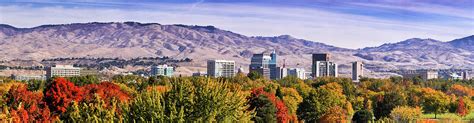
[260, 63]
[162, 70]
[321, 57]
[220, 68]
[357, 71]
[465, 75]
[62, 71]
[272, 65]
[321, 66]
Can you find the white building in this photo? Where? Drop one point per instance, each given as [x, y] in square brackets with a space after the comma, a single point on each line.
[28, 77]
[62, 71]
[357, 71]
[324, 68]
[162, 70]
[220, 68]
[297, 72]
[423, 74]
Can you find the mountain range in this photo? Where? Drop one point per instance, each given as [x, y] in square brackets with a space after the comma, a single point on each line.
[133, 39]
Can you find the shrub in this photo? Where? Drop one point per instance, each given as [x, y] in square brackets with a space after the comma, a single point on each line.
[406, 114]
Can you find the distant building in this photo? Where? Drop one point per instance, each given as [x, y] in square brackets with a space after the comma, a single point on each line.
[465, 75]
[220, 68]
[322, 66]
[296, 72]
[62, 71]
[28, 77]
[260, 63]
[199, 74]
[321, 57]
[273, 66]
[282, 72]
[162, 70]
[85, 72]
[423, 74]
[357, 71]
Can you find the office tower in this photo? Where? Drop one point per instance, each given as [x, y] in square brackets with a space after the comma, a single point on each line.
[357, 71]
[321, 66]
[260, 63]
[162, 70]
[220, 68]
[321, 57]
[465, 75]
[62, 71]
[282, 72]
[272, 65]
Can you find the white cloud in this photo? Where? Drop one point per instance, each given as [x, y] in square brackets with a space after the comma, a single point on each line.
[343, 30]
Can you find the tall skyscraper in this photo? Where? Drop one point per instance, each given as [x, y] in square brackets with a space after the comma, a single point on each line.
[465, 75]
[220, 68]
[260, 63]
[273, 66]
[321, 66]
[162, 70]
[62, 71]
[357, 71]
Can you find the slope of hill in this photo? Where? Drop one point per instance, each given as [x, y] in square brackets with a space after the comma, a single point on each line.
[466, 43]
[132, 39]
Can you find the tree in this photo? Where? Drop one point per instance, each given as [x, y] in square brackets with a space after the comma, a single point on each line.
[405, 113]
[362, 116]
[292, 99]
[254, 75]
[318, 103]
[384, 103]
[60, 94]
[264, 102]
[27, 106]
[434, 101]
[461, 110]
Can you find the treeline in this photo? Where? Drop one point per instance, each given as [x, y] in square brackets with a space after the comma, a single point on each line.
[239, 99]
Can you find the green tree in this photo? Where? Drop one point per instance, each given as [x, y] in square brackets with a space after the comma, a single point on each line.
[254, 75]
[434, 101]
[383, 104]
[362, 116]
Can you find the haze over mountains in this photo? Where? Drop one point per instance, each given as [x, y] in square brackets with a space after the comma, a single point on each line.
[132, 39]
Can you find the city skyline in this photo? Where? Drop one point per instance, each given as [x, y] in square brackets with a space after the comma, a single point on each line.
[334, 23]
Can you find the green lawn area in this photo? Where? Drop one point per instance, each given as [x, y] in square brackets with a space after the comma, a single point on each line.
[449, 116]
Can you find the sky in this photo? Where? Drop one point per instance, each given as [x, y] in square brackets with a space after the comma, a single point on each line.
[348, 24]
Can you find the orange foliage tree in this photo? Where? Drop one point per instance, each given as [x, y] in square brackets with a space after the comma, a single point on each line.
[461, 110]
[60, 94]
[27, 106]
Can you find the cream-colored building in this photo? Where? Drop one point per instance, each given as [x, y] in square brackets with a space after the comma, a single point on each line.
[62, 71]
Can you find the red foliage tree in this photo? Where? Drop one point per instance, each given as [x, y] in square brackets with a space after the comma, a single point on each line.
[282, 113]
[107, 91]
[60, 94]
[461, 110]
[27, 106]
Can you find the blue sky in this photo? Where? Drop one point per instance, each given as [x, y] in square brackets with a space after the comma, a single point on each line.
[349, 24]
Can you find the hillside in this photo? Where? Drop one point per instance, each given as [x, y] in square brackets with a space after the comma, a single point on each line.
[132, 39]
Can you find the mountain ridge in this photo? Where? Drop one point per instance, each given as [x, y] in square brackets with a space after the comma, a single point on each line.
[134, 39]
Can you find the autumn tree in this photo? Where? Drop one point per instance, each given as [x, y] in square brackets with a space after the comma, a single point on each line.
[461, 108]
[405, 113]
[362, 116]
[60, 94]
[318, 103]
[434, 101]
[27, 106]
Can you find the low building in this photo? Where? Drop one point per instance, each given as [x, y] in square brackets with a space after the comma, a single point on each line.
[220, 68]
[85, 72]
[28, 77]
[423, 74]
[62, 71]
[297, 72]
[161, 70]
[199, 74]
